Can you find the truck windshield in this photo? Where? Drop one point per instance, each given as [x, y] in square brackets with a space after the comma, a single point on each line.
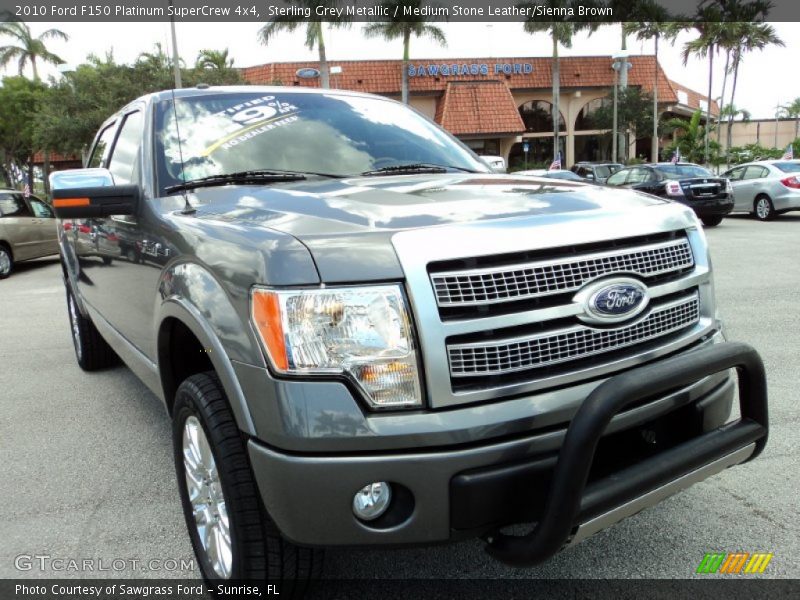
[331, 133]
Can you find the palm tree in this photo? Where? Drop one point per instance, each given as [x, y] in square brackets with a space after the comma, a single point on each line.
[692, 138]
[561, 33]
[28, 49]
[314, 32]
[397, 29]
[214, 59]
[712, 34]
[792, 110]
[751, 36]
[157, 60]
[656, 26]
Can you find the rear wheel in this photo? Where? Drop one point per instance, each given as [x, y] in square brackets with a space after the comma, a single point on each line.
[6, 262]
[231, 532]
[712, 221]
[763, 208]
[91, 350]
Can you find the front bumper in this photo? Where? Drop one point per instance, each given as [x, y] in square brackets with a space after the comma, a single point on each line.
[309, 496]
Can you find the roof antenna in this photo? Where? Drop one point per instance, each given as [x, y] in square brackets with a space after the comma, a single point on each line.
[188, 209]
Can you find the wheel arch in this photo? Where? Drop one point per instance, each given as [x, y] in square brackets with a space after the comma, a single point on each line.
[186, 345]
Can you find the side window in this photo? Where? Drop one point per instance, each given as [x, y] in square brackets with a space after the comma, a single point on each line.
[617, 178]
[639, 175]
[13, 205]
[101, 147]
[753, 172]
[126, 150]
[40, 209]
[735, 174]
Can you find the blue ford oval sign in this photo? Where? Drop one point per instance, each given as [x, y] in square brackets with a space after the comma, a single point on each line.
[618, 299]
[612, 300]
[307, 73]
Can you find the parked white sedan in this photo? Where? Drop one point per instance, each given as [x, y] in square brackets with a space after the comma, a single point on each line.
[766, 188]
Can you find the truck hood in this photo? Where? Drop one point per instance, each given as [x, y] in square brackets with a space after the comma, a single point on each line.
[351, 221]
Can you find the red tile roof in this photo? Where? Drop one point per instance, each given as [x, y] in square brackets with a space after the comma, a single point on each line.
[384, 76]
[478, 107]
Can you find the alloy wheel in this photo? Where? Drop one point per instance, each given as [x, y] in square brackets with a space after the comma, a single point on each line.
[205, 495]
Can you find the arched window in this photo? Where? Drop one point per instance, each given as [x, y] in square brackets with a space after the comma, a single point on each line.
[538, 117]
[585, 120]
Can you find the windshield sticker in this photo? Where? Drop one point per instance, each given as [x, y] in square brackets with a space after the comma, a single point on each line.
[246, 120]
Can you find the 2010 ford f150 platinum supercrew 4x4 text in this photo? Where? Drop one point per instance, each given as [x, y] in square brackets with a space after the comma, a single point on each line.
[364, 337]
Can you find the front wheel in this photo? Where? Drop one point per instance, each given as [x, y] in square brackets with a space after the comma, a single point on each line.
[764, 209]
[231, 533]
[712, 221]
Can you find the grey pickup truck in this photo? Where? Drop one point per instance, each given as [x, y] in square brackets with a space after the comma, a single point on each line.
[363, 337]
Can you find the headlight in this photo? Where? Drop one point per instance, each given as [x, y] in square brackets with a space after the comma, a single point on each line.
[361, 332]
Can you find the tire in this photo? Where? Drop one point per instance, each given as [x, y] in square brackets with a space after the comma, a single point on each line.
[91, 351]
[107, 260]
[763, 209]
[712, 221]
[6, 261]
[256, 549]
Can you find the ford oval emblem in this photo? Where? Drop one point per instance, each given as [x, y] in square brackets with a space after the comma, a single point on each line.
[307, 73]
[613, 300]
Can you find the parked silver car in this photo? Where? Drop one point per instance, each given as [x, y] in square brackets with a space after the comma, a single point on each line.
[766, 188]
[27, 230]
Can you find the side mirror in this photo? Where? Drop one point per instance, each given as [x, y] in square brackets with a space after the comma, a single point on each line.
[91, 193]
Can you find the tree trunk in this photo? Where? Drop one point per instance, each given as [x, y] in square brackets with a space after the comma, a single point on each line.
[45, 173]
[33, 66]
[30, 173]
[708, 106]
[406, 45]
[324, 71]
[654, 147]
[736, 59]
[722, 96]
[556, 97]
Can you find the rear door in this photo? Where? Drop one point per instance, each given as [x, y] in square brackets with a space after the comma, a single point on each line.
[750, 186]
[45, 225]
[19, 226]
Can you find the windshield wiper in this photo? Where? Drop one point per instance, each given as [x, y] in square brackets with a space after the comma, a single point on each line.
[260, 176]
[415, 168]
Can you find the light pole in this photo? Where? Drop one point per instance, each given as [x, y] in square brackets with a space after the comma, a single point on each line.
[620, 65]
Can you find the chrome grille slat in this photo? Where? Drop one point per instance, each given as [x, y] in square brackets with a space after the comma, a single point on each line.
[544, 278]
[573, 343]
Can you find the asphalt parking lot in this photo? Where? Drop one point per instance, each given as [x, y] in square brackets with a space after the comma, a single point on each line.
[87, 468]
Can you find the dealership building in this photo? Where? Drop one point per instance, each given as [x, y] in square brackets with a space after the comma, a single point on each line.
[500, 106]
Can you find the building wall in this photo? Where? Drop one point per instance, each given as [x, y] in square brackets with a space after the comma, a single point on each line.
[761, 131]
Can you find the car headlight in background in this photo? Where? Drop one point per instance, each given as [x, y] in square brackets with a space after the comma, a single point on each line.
[362, 332]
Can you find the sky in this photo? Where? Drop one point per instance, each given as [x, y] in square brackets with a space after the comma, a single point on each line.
[766, 79]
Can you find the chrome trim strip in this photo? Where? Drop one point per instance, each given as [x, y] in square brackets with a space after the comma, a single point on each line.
[655, 496]
[572, 281]
[690, 302]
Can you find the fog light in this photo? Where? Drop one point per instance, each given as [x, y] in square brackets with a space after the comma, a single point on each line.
[371, 501]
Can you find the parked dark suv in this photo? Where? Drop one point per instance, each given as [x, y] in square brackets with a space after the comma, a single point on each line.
[596, 172]
[709, 196]
[363, 337]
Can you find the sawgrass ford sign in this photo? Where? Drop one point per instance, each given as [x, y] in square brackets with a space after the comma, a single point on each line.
[449, 70]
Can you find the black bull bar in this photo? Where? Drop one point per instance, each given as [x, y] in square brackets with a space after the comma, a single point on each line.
[571, 502]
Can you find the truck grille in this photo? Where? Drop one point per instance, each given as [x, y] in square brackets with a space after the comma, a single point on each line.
[574, 343]
[549, 277]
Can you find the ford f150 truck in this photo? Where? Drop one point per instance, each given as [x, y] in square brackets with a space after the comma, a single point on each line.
[363, 337]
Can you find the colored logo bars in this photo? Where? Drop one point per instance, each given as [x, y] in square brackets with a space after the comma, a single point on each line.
[734, 563]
